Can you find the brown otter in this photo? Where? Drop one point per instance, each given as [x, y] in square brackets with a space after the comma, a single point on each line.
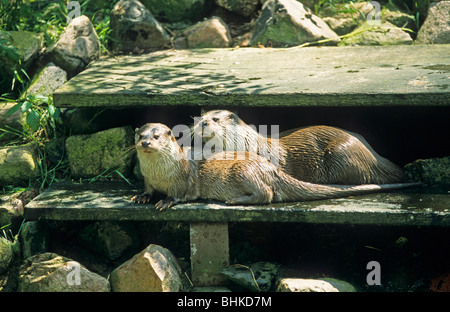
[316, 154]
[254, 180]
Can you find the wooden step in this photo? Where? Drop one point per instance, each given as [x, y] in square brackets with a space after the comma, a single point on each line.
[417, 75]
[111, 201]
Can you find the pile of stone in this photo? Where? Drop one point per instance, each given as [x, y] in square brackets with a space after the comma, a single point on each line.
[272, 23]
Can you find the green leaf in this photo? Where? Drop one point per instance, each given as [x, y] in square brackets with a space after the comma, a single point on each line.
[26, 106]
[13, 109]
[33, 120]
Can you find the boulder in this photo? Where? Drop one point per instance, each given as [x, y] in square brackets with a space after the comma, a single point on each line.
[341, 286]
[50, 78]
[110, 239]
[6, 254]
[378, 35]
[211, 33]
[34, 238]
[19, 50]
[18, 164]
[49, 272]
[241, 7]
[77, 46]
[304, 285]
[154, 269]
[343, 22]
[258, 276]
[288, 23]
[15, 121]
[91, 155]
[176, 11]
[431, 171]
[134, 28]
[436, 28]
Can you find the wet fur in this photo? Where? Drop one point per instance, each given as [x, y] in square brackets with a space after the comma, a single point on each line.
[223, 176]
[317, 154]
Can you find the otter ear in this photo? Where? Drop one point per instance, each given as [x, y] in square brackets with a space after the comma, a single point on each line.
[136, 130]
[169, 132]
[231, 116]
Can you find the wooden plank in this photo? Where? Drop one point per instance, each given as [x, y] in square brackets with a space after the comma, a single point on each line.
[314, 76]
[111, 201]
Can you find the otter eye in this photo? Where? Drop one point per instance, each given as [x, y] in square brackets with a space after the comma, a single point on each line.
[215, 119]
[156, 137]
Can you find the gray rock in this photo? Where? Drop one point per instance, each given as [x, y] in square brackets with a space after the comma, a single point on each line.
[288, 23]
[49, 272]
[105, 151]
[242, 7]
[258, 276]
[15, 121]
[341, 286]
[176, 11]
[153, 269]
[134, 28]
[378, 35]
[77, 46]
[304, 285]
[18, 164]
[211, 33]
[6, 254]
[111, 239]
[50, 78]
[341, 21]
[436, 28]
[432, 171]
[34, 238]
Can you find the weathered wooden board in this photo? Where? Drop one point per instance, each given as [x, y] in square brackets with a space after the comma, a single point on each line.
[111, 201]
[313, 76]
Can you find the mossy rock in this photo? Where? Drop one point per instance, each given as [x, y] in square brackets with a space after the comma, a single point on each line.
[175, 11]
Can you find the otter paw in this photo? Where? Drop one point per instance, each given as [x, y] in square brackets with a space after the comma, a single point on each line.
[166, 203]
[141, 199]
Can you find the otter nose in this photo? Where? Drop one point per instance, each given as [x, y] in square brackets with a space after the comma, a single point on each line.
[145, 144]
[204, 124]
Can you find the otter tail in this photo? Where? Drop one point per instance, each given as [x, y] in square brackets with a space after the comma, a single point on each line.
[291, 189]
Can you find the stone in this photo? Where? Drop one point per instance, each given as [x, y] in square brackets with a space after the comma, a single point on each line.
[105, 151]
[77, 46]
[304, 285]
[241, 7]
[341, 286]
[16, 121]
[6, 254]
[431, 171]
[49, 272]
[258, 276]
[18, 164]
[19, 50]
[110, 239]
[172, 11]
[211, 33]
[288, 23]
[134, 28]
[154, 269]
[210, 289]
[379, 35]
[344, 22]
[50, 78]
[34, 238]
[398, 18]
[436, 28]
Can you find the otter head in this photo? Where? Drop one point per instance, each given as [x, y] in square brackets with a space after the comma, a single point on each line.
[154, 137]
[214, 125]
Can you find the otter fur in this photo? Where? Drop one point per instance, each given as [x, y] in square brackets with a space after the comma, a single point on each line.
[316, 154]
[233, 177]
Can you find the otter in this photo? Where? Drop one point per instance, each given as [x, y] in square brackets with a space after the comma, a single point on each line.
[316, 154]
[233, 177]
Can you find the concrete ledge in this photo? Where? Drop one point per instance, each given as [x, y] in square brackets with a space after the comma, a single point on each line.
[415, 75]
[111, 201]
